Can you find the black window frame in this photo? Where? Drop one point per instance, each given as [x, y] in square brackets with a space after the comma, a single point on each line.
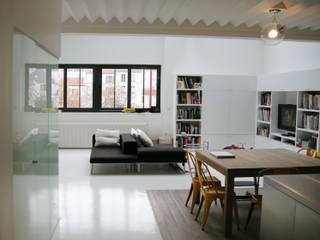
[97, 87]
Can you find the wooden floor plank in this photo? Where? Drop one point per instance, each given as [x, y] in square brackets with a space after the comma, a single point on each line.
[177, 223]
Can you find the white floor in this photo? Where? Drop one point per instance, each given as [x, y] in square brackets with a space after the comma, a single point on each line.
[107, 206]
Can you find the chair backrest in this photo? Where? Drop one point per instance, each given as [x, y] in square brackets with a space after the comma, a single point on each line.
[191, 163]
[232, 147]
[309, 151]
[275, 171]
[206, 180]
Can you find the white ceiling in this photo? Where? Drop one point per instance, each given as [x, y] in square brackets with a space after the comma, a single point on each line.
[123, 15]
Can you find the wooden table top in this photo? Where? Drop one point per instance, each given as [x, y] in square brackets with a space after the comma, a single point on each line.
[247, 162]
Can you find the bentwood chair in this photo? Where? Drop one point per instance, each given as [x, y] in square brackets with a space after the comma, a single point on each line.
[195, 184]
[310, 152]
[257, 198]
[211, 191]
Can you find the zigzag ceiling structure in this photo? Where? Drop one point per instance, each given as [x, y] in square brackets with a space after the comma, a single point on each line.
[233, 18]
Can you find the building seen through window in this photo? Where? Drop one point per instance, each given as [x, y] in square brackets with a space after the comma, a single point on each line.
[108, 87]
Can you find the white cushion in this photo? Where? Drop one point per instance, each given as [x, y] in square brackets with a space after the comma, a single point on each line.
[106, 141]
[107, 133]
[133, 132]
[144, 138]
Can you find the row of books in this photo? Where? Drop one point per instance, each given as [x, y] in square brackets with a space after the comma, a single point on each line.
[188, 113]
[188, 128]
[310, 101]
[264, 115]
[189, 98]
[181, 141]
[263, 131]
[188, 82]
[310, 121]
[265, 99]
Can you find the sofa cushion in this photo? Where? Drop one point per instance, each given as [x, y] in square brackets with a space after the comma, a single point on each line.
[111, 155]
[106, 141]
[161, 154]
[147, 142]
[135, 134]
[128, 143]
[107, 133]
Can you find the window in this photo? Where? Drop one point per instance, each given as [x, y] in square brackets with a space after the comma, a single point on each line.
[114, 92]
[109, 87]
[143, 88]
[79, 87]
[42, 86]
[37, 86]
[57, 77]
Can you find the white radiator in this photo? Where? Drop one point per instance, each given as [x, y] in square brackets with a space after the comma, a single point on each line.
[79, 135]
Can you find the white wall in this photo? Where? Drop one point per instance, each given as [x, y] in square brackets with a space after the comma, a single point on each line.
[6, 193]
[207, 56]
[40, 20]
[228, 110]
[186, 55]
[290, 66]
[291, 56]
[112, 49]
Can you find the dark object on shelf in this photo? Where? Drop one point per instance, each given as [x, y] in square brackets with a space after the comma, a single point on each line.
[287, 117]
[128, 152]
[288, 134]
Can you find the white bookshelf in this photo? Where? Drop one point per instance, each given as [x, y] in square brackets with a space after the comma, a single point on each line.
[188, 110]
[306, 132]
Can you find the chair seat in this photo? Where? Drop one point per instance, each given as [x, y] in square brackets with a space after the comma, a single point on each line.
[256, 198]
[214, 180]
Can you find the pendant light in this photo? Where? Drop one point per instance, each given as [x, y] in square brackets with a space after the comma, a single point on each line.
[273, 33]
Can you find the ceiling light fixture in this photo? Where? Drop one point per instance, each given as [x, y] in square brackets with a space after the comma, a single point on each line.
[273, 33]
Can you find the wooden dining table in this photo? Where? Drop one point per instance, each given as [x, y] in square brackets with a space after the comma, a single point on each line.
[247, 163]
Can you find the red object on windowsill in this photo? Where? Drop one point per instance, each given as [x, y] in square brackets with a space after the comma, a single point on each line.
[232, 147]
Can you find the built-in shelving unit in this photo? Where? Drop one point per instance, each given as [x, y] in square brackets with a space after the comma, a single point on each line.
[263, 113]
[306, 133]
[188, 110]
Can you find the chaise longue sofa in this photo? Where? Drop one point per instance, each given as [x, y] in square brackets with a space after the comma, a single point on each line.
[129, 152]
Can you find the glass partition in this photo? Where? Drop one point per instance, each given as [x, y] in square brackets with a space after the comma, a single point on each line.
[35, 140]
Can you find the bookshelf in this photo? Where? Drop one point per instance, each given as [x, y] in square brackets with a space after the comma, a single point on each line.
[306, 133]
[263, 114]
[188, 110]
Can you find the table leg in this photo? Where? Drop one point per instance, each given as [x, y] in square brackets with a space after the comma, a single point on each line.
[228, 203]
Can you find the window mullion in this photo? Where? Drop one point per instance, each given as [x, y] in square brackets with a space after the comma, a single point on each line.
[143, 89]
[129, 88]
[65, 87]
[97, 89]
[114, 88]
[79, 87]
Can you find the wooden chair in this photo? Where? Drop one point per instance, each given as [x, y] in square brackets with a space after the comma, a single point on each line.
[211, 190]
[195, 184]
[310, 152]
[257, 198]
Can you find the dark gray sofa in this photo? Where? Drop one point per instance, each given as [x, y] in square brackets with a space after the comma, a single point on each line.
[128, 152]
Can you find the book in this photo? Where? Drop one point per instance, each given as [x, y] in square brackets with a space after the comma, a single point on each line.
[186, 82]
[222, 154]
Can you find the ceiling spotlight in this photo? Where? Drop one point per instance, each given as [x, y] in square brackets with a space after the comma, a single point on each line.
[273, 33]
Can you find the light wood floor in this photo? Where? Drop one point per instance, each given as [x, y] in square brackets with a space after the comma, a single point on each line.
[177, 223]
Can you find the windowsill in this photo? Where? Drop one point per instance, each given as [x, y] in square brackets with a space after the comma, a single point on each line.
[108, 112]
